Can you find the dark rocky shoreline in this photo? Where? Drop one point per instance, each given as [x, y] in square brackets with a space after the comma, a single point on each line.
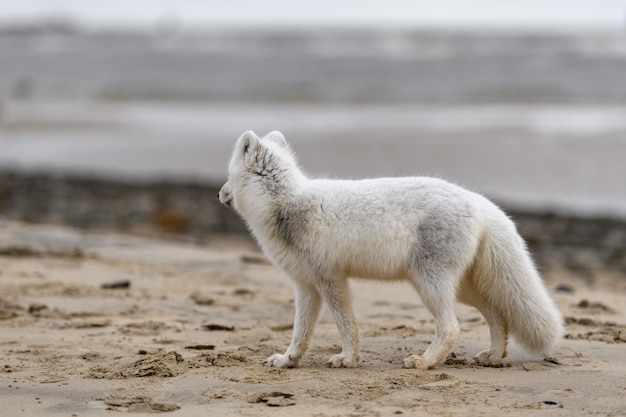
[585, 247]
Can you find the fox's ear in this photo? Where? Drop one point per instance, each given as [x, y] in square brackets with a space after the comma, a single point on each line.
[248, 143]
[277, 137]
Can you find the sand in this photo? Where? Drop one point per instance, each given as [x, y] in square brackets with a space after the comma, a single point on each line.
[97, 323]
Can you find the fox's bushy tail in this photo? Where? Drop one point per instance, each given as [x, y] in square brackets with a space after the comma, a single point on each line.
[509, 281]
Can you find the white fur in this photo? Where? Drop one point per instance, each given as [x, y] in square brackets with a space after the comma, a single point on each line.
[449, 243]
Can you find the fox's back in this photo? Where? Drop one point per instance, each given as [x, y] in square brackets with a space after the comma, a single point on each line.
[383, 199]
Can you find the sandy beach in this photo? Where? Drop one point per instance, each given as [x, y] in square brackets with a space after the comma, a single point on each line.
[126, 288]
[96, 323]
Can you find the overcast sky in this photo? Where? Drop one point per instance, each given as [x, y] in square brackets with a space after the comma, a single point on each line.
[556, 14]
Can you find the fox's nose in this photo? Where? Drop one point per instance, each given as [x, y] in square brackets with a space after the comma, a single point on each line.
[218, 195]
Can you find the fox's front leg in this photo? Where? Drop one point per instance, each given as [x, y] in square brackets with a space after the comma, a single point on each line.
[308, 303]
[336, 293]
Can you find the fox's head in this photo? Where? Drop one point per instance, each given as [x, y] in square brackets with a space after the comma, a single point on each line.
[260, 168]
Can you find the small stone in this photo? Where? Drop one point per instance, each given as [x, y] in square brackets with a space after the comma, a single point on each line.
[217, 327]
[202, 300]
[200, 347]
[116, 285]
[243, 291]
[254, 259]
[564, 288]
[280, 402]
[586, 322]
[453, 360]
[35, 309]
[90, 356]
[277, 399]
[255, 398]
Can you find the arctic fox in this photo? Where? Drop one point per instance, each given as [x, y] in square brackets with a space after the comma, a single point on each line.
[449, 243]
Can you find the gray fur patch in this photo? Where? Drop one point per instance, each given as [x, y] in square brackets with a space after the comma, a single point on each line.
[284, 228]
[440, 243]
[289, 224]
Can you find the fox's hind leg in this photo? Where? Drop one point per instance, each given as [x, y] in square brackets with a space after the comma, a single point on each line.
[446, 243]
[499, 332]
[438, 295]
[498, 328]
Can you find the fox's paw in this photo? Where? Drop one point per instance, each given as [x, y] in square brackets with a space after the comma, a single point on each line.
[417, 361]
[281, 361]
[489, 358]
[342, 361]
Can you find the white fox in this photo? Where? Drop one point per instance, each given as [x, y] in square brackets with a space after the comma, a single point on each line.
[449, 243]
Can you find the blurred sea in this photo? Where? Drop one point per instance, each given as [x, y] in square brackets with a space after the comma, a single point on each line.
[536, 120]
